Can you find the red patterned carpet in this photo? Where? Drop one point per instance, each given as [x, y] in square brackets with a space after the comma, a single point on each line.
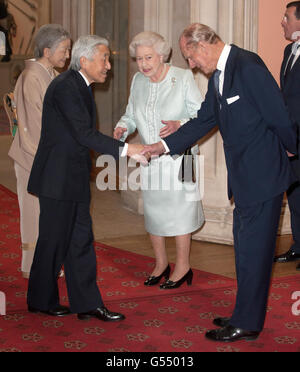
[156, 320]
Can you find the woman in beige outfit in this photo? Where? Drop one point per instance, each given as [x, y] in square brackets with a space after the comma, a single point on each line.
[52, 49]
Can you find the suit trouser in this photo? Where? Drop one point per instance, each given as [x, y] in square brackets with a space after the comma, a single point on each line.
[255, 231]
[65, 238]
[293, 195]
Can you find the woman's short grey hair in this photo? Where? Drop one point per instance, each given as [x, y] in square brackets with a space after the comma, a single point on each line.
[49, 36]
[85, 46]
[198, 32]
[150, 39]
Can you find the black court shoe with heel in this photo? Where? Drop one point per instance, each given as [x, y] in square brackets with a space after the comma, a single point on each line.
[169, 284]
[153, 280]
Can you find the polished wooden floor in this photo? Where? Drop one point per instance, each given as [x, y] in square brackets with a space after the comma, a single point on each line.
[119, 227]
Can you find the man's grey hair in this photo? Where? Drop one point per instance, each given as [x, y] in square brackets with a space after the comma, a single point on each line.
[49, 36]
[198, 32]
[150, 39]
[85, 46]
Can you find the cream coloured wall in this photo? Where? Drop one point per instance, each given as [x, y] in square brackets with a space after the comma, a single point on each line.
[271, 41]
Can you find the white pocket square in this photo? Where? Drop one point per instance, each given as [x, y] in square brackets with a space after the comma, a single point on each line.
[232, 99]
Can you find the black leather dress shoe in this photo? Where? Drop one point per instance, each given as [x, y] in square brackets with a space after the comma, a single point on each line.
[231, 334]
[289, 256]
[102, 313]
[153, 280]
[221, 322]
[58, 311]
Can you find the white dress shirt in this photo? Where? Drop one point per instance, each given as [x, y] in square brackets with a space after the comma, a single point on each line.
[295, 48]
[220, 66]
[85, 79]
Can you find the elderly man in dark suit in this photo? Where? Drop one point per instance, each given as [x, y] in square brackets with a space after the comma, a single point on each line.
[245, 102]
[290, 86]
[60, 177]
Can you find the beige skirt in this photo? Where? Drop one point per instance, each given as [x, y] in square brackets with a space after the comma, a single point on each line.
[29, 219]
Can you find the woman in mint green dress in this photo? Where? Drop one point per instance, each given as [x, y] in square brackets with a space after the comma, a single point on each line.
[163, 93]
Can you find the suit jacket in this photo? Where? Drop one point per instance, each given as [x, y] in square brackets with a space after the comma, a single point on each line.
[255, 127]
[29, 95]
[61, 168]
[291, 93]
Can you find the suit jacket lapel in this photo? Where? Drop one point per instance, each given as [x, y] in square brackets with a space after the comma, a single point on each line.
[94, 111]
[295, 68]
[84, 92]
[287, 53]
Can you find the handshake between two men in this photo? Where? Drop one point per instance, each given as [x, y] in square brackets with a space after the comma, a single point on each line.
[143, 153]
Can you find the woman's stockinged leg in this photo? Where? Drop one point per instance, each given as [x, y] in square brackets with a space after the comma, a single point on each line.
[159, 247]
[183, 250]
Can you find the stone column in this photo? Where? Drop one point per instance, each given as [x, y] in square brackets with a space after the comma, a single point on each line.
[228, 18]
[73, 15]
[217, 208]
[159, 17]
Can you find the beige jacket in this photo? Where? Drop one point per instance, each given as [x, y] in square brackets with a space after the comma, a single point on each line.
[29, 96]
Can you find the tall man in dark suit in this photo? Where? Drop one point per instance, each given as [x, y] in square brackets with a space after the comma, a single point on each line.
[290, 86]
[245, 102]
[60, 177]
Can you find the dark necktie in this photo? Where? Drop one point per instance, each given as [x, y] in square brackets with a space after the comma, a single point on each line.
[290, 62]
[92, 99]
[217, 84]
[91, 91]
